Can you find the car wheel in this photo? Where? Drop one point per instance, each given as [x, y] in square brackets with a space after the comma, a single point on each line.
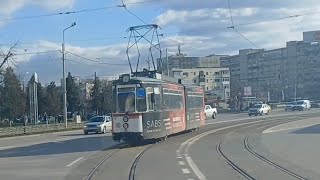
[86, 132]
[104, 130]
[249, 114]
[214, 115]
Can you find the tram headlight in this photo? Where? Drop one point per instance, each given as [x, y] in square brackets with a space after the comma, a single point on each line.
[125, 119]
[125, 125]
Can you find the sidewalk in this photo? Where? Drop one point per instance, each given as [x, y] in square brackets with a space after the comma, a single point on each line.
[294, 145]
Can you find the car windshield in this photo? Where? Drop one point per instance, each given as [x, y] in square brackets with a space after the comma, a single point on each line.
[257, 106]
[299, 102]
[97, 119]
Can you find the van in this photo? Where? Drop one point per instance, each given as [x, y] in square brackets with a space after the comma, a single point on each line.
[301, 105]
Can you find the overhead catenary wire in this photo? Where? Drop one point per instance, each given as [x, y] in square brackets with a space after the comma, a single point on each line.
[125, 7]
[70, 12]
[234, 28]
[92, 60]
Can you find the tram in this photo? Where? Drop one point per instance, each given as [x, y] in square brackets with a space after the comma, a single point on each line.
[151, 107]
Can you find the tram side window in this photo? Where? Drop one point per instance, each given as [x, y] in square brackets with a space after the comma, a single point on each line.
[173, 100]
[157, 103]
[194, 102]
[150, 104]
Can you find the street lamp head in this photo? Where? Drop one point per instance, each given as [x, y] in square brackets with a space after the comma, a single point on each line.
[73, 24]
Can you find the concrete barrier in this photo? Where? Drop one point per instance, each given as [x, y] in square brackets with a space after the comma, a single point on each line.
[37, 129]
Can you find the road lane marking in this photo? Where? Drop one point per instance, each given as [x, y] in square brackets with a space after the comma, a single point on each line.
[181, 163]
[75, 161]
[195, 169]
[186, 171]
[20, 137]
[36, 150]
[6, 147]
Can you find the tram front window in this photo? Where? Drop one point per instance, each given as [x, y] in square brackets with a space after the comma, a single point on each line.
[126, 102]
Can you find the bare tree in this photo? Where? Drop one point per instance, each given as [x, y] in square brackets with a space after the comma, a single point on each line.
[5, 56]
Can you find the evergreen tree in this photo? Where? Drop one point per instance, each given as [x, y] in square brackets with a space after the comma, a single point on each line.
[96, 101]
[107, 100]
[12, 96]
[73, 94]
[53, 102]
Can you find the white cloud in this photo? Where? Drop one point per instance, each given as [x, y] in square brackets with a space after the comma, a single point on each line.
[171, 17]
[8, 7]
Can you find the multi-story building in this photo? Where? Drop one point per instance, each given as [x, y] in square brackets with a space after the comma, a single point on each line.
[184, 62]
[215, 81]
[279, 74]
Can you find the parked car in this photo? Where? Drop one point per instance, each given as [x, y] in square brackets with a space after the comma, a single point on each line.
[288, 106]
[259, 109]
[98, 124]
[315, 104]
[210, 112]
[301, 105]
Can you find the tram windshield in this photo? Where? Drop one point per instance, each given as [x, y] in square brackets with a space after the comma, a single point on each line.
[126, 102]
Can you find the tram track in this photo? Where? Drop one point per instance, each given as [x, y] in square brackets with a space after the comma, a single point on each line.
[242, 171]
[107, 159]
[281, 168]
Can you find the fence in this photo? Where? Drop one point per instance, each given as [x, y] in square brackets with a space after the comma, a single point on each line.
[41, 128]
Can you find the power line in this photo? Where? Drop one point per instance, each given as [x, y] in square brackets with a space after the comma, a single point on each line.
[40, 52]
[91, 60]
[233, 27]
[231, 17]
[182, 44]
[125, 7]
[278, 19]
[245, 38]
[70, 12]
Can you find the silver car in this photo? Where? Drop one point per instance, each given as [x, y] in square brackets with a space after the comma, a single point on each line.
[98, 124]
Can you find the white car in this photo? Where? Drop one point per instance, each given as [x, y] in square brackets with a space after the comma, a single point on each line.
[98, 124]
[210, 112]
[259, 109]
[302, 105]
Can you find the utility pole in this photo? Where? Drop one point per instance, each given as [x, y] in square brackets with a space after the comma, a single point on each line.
[64, 77]
[167, 59]
[295, 90]
[95, 82]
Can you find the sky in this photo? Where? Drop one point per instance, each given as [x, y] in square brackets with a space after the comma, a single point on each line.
[98, 42]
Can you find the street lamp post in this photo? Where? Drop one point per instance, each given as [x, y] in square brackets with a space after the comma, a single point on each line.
[64, 77]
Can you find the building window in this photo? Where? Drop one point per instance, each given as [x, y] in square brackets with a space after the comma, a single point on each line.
[185, 74]
[194, 81]
[207, 80]
[217, 80]
[194, 73]
[207, 73]
[225, 80]
[216, 73]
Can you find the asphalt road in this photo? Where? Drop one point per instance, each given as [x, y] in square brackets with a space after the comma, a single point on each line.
[72, 155]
